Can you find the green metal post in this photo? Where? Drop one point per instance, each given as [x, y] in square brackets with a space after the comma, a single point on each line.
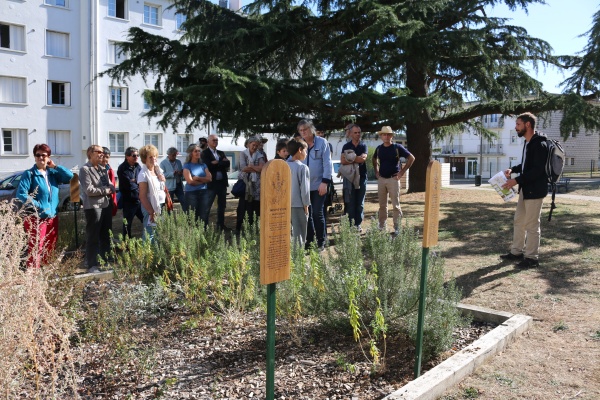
[422, 297]
[271, 341]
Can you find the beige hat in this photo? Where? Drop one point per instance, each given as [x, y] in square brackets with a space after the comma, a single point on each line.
[386, 129]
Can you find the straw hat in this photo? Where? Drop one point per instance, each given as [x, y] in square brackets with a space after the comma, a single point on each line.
[386, 129]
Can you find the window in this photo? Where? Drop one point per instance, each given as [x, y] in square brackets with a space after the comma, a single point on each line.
[12, 37]
[13, 90]
[572, 160]
[179, 20]
[14, 141]
[118, 98]
[183, 142]
[151, 15]
[153, 139]
[59, 93]
[116, 142]
[116, 55]
[57, 44]
[59, 142]
[57, 3]
[117, 9]
[573, 135]
[513, 139]
[494, 118]
[146, 103]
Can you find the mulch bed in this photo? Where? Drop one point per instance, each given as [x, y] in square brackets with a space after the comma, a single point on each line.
[223, 357]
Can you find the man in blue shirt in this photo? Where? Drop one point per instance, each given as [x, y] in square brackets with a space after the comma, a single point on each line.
[356, 203]
[389, 171]
[318, 160]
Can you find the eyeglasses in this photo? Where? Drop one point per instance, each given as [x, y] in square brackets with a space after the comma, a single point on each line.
[38, 155]
[134, 155]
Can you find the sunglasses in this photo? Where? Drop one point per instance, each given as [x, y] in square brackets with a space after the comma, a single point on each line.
[134, 155]
[38, 155]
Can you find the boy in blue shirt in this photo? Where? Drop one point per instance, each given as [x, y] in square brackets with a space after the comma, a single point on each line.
[300, 190]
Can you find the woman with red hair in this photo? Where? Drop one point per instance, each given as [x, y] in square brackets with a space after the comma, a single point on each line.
[38, 192]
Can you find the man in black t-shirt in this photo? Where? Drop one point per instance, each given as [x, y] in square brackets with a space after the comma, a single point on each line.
[389, 171]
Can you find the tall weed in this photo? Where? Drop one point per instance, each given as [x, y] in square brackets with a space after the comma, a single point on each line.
[35, 354]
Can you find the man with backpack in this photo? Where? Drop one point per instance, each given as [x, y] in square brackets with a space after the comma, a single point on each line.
[388, 171]
[533, 187]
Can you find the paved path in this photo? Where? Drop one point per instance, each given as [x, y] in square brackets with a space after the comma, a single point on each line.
[487, 186]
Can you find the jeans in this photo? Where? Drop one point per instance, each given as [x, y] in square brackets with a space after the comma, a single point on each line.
[148, 233]
[180, 196]
[219, 191]
[98, 222]
[197, 201]
[130, 211]
[355, 209]
[251, 208]
[316, 219]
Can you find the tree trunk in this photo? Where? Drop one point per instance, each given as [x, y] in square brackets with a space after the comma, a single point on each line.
[418, 130]
[418, 136]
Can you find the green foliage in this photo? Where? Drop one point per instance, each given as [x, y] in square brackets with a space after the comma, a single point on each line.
[412, 66]
[198, 259]
[364, 289]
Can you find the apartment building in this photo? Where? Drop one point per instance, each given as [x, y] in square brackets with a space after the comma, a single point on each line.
[50, 53]
[465, 152]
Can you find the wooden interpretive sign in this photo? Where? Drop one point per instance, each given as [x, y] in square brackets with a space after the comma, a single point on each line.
[432, 203]
[275, 222]
[75, 198]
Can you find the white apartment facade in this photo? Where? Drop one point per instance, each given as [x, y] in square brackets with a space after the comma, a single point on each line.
[463, 152]
[50, 52]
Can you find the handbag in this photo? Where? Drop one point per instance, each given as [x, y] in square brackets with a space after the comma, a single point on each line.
[238, 189]
[168, 201]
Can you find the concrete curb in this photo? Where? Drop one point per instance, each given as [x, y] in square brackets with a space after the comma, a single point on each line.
[436, 381]
[102, 275]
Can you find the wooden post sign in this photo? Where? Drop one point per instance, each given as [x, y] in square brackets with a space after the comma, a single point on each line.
[432, 203]
[75, 189]
[275, 222]
[433, 185]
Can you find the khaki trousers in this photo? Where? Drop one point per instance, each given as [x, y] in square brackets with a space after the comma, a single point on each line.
[389, 186]
[526, 235]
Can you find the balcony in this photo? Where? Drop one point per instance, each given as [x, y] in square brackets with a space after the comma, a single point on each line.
[491, 149]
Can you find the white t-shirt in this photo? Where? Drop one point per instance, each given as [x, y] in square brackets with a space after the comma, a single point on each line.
[142, 177]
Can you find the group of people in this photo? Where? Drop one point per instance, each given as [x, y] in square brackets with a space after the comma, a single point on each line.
[145, 187]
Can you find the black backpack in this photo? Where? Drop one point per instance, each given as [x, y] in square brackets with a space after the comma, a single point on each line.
[555, 164]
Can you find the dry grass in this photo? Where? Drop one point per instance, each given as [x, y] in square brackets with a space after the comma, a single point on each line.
[34, 339]
[559, 357]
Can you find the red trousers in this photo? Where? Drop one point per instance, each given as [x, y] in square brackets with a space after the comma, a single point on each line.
[43, 233]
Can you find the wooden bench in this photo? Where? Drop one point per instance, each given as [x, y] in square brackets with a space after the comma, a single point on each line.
[561, 183]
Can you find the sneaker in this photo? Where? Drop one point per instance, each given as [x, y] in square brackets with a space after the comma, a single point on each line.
[528, 263]
[360, 229]
[512, 257]
[93, 270]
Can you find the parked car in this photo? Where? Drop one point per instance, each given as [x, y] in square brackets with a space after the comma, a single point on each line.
[9, 184]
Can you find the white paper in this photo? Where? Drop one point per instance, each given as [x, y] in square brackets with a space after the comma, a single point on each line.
[497, 181]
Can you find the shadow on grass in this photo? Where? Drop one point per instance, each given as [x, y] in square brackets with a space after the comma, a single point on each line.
[483, 229]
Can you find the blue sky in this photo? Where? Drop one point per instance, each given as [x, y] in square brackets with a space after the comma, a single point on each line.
[559, 22]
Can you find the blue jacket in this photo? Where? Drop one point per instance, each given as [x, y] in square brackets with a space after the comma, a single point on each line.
[33, 188]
